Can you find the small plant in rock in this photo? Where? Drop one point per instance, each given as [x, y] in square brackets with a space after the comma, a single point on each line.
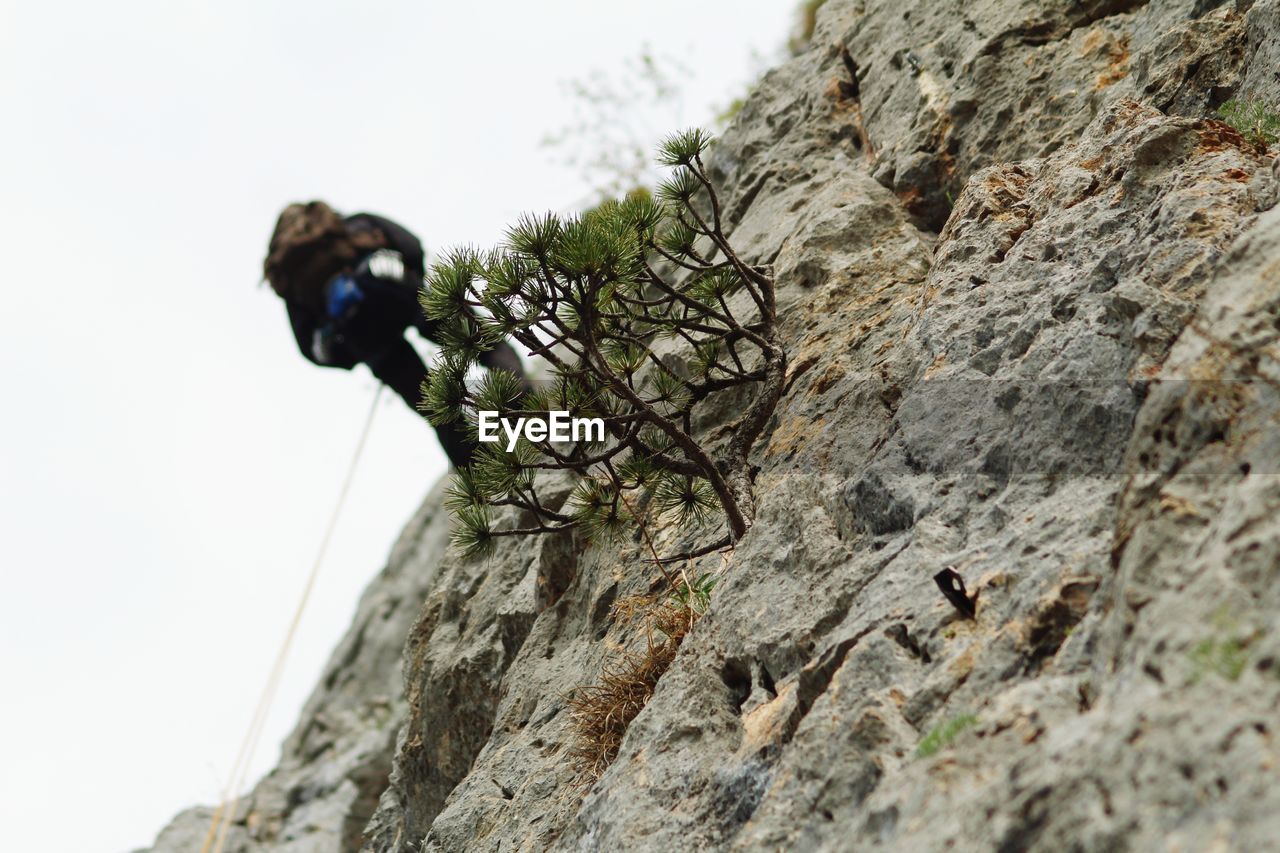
[694, 595]
[1256, 122]
[1226, 652]
[942, 734]
[596, 295]
[1226, 658]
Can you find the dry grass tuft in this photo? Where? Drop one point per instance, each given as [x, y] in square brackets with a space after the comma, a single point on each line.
[599, 714]
[630, 608]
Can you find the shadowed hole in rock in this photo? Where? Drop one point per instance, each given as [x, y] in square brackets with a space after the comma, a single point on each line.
[901, 635]
[736, 676]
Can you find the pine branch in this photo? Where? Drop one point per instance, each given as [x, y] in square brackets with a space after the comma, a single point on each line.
[583, 293]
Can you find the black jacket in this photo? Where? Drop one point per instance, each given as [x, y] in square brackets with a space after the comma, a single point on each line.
[373, 332]
[390, 279]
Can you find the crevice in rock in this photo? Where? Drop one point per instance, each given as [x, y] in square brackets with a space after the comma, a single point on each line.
[767, 682]
[736, 676]
[1044, 32]
[815, 678]
[743, 204]
[900, 634]
[343, 666]
[1054, 620]
[738, 794]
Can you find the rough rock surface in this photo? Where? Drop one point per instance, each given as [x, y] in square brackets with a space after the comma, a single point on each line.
[1036, 329]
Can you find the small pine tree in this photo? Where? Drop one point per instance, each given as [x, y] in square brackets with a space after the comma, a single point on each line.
[593, 294]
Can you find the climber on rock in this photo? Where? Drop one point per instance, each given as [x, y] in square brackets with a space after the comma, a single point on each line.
[351, 288]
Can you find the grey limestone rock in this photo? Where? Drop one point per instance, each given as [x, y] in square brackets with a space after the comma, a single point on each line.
[1035, 334]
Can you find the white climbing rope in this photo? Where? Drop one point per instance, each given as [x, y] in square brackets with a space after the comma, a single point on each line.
[216, 837]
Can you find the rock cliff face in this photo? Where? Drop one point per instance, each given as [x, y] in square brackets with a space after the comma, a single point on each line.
[1032, 297]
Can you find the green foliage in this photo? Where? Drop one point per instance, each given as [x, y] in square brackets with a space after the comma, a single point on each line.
[694, 595]
[473, 534]
[1226, 653]
[686, 499]
[681, 149]
[596, 508]
[1256, 122]
[592, 294]
[443, 394]
[942, 734]
[1227, 658]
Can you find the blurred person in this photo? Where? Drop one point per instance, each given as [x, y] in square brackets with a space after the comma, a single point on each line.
[350, 284]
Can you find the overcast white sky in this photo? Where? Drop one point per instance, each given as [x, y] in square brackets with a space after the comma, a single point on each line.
[167, 458]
